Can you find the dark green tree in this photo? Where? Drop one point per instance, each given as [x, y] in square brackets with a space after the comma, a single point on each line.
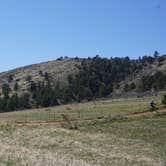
[24, 101]
[156, 54]
[126, 87]
[164, 100]
[46, 76]
[6, 90]
[132, 86]
[28, 78]
[16, 86]
[10, 79]
[41, 73]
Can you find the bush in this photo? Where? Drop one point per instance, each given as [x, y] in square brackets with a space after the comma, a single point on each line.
[164, 100]
[28, 78]
[132, 86]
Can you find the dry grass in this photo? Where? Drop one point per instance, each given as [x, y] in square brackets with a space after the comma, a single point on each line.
[137, 141]
[88, 110]
[58, 71]
[123, 142]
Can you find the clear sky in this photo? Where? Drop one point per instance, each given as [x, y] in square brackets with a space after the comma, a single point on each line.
[33, 31]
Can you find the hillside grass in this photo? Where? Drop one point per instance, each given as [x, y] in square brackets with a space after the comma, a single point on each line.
[88, 110]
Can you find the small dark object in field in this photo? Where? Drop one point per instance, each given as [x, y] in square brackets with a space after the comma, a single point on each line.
[108, 119]
[68, 108]
[100, 117]
[69, 124]
[153, 106]
[47, 109]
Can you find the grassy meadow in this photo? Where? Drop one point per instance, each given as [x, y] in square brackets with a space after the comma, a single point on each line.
[88, 110]
[134, 141]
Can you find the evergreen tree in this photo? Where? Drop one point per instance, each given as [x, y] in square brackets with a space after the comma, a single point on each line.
[46, 76]
[10, 79]
[126, 88]
[164, 100]
[24, 101]
[103, 90]
[5, 90]
[16, 86]
[40, 73]
[156, 54]
[132, 86]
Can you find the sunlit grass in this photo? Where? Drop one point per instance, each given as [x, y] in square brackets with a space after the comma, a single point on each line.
[139, 141]
[109, 107]
[136, 141]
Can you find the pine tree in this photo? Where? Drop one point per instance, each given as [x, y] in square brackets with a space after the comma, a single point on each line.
[10, 79]
[164, 100]
[5, 90]
[16, 86]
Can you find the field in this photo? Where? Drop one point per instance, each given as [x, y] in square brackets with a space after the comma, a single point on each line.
[88, 110]
[137, 140]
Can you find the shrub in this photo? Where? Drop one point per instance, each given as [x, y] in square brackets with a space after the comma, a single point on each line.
[132, 86]
[28, 78]
[41, 73]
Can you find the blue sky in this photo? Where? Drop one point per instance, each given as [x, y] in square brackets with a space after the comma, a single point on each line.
[33, 31]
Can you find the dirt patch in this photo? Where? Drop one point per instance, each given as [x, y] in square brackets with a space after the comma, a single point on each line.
[144, 114]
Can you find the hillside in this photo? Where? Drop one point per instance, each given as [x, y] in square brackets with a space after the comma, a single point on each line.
[148, 69]
[58, 70]
[74, 79]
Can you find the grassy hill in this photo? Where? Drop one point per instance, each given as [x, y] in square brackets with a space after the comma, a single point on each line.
[57, 69]
[61, 68]
[74, 79]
